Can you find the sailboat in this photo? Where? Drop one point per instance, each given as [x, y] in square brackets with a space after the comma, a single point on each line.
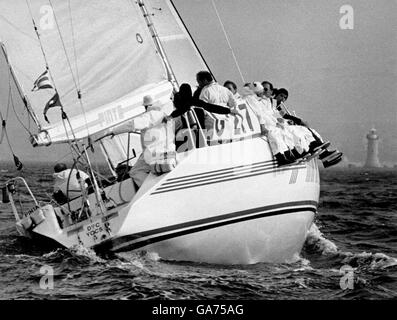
[226, 201]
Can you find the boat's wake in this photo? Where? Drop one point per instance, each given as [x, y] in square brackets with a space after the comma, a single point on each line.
[322, 252]
[76, 255]
[316, 242]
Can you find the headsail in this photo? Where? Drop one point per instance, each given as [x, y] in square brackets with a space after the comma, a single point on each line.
[179, 47]
[102, 48]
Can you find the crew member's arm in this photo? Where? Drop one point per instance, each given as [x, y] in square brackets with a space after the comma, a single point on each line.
[206, 106]
[210, 107]
[141, 122]
[232, 102]
[124, 128]
[178, 112]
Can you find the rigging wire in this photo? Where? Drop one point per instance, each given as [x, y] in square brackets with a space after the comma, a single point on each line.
[51, 76]
[227, 40]
[9, 94]
[22, 95]
[70, 66]
[74, 47]
[19, 120]
[11, 102]
[3, 123]
[63, 45]
[4, 133]
[96, 187]
[41, 45]
[73, 147]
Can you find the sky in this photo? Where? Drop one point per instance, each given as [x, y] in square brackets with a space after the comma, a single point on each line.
[341, 81]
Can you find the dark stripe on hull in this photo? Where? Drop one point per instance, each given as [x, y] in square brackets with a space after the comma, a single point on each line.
[198, 225]
[225, 178]
[230, 172]
[221, 171]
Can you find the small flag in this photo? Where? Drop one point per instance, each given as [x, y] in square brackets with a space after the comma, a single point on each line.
[18, 163]
[53, 102]
[3, 130]
[43, 82]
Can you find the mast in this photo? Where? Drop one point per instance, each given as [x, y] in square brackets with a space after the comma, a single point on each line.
[161, 51]
[20, 91]
[157, 42]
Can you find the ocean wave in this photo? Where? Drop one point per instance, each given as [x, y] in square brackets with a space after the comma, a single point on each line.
[74, 255]
[369, 260]
[316, 241]
[318, 244]
[360, 262]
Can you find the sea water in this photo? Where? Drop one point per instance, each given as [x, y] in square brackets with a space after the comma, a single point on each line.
[350, 253]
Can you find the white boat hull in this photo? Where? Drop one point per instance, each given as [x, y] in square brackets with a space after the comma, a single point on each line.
[241, 209]
[276, 238]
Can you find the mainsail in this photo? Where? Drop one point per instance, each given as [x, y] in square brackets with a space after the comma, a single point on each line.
[183, 57]
[101, 50]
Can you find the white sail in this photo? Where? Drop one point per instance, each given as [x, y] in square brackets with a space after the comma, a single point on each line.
[102, 48]
[11, 97]
[179, 47]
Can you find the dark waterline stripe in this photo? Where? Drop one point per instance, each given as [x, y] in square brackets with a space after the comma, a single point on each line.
[224, 219]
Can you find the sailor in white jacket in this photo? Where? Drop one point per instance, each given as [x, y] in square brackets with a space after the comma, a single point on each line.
[267, 121]
[298, 138]
[67, 182]
[212, 92]
[148, 124]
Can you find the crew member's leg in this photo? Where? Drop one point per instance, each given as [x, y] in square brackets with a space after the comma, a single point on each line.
[139, 171]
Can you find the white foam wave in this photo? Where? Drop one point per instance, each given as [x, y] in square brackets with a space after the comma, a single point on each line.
[138, 259]
[372, 260]
[316, 240]
[80, 250]
[51, 254]
[304, 265]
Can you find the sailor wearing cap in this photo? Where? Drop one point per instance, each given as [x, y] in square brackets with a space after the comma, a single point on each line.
[145, 123]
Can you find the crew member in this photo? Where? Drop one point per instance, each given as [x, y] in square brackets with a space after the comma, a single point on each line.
[68, 183]
[145, 123]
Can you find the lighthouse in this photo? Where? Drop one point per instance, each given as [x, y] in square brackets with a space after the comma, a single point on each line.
[372, 150]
